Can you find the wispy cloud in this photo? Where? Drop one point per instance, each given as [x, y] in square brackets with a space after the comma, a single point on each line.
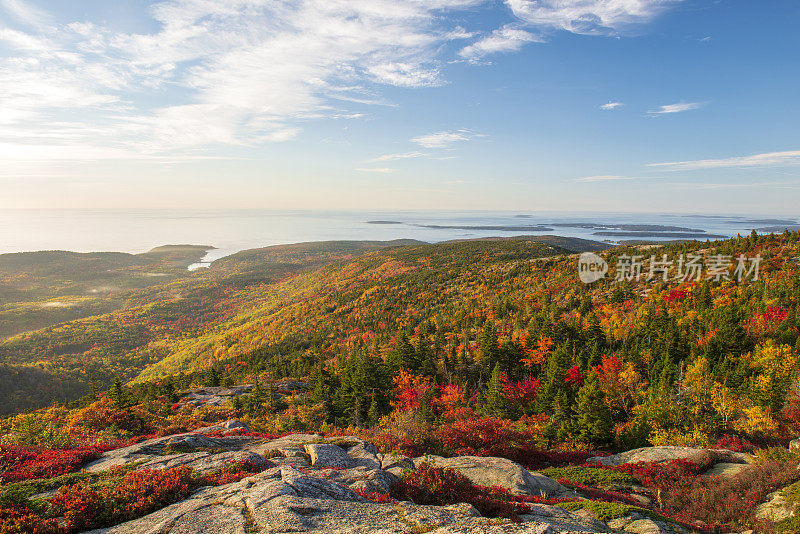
[676, 108]
[234, 72]
[505, 39]
[25, 12]
[589, 17]
[382, 170]
[611, 106]
[768, 159]
[395, 157]
[444, 139]
[604, 178]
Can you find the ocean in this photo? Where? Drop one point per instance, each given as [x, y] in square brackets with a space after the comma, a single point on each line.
[230, 231]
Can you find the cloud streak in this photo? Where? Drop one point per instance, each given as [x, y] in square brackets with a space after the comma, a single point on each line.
[676, 108]
[505, 39]
[444, 139]
[767, 159]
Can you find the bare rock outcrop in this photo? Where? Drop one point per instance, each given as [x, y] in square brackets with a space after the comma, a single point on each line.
[312, 484]
[667, 453]
[500, 472]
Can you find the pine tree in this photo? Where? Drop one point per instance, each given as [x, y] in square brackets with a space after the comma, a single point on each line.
[496, 402]
[374, 414]
[592, 422]
[117, 394]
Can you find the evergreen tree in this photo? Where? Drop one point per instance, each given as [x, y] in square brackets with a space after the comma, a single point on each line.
[496, 402]
[118, 395]
[592, 422]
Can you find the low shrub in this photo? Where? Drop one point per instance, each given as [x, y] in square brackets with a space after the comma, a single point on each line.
[434, 485]
[489, 436]
[23, 463]
[599, 494]
[607, 511]
[18, 519]
[734, 443]
[663, 475]
[775, 454]
[374, 496]
[232, 472]
[441, 486]
[590, 476]
[85, 506]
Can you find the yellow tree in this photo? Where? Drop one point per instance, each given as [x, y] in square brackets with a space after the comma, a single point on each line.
[776, 367]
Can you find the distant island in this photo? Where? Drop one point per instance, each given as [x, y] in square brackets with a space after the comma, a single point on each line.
[384, 222]
[679, 235]
[496, 228]
[629, 227]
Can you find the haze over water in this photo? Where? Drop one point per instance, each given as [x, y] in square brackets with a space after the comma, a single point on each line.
[232, 230]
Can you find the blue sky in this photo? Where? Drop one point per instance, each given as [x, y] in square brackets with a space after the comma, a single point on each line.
[612, 105]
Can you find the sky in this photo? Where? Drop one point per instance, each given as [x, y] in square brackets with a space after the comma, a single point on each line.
[598, 105]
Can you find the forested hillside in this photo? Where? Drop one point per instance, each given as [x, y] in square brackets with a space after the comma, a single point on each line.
[85, 318]
[488, 348]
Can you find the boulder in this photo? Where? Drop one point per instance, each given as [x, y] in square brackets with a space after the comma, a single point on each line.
[725, 469]
[561, 520]
[668, 453]
[639, 524]
[327, 455]
[176, 449]
[794, 445]
[777, 507]
[489, 471]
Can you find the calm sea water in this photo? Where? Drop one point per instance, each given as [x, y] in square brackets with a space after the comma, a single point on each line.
[233, 230]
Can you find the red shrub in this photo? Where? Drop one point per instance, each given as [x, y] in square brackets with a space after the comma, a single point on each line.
[386, 443]
[442, 486]
[135, 494]
[728, 503]
[734, 443]
[663, 475]
[488, 436]
[435, 485]
[23, 463]
[18, 519]
[380, 498]
[233, 472]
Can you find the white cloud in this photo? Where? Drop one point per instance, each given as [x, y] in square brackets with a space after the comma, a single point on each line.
[505, 39]
[443, 139]
[394, 157]
[217, 71]
[768, 159]
[604, 178]
[383, 170]
[24, 12]
[589, 17]
[676, 108]
[611, 106]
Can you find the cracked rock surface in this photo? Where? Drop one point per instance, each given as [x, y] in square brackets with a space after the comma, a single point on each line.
[310, 484]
